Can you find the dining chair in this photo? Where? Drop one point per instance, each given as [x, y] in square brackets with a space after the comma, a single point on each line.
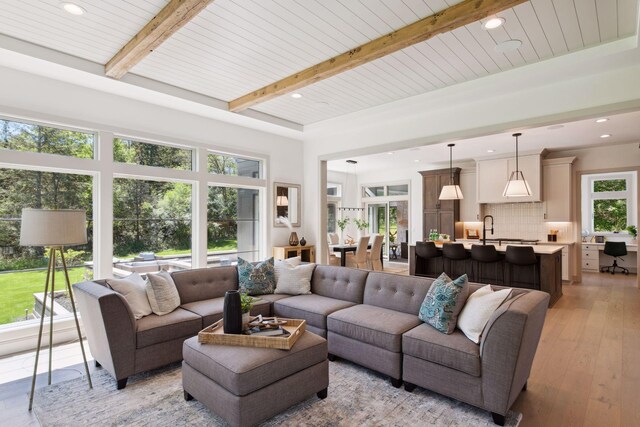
[332, 257]
[374, 255]
[360, 258]
[334, 239]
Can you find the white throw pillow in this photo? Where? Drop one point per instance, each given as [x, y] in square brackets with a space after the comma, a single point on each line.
[285, 264]
[162, 292]
[133, 289]
[478, 310]
[295, 280]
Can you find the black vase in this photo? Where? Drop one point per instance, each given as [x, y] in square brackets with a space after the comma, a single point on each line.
[232, 313]
[303, 242]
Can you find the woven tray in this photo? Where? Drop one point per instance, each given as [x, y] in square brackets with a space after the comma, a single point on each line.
[214, 335]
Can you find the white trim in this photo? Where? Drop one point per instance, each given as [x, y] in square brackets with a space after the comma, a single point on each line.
[589, 196]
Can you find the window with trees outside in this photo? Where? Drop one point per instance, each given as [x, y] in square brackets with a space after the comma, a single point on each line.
[23, 269]
[611, 201]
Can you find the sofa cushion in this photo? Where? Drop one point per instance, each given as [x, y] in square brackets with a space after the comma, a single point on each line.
[242, 370]
[134, 289]
[205, 283]
[372, 325]
[256, 278]
[162, 293]
[444, 301]
[338, 282]
[454, 351]
[399, 293]
[313, 308]
[154, 329]
[295, 280]
[211, 309]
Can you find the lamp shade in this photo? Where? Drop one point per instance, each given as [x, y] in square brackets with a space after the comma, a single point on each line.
[451, 192]
[47, 227]
[282, 201]
[517, 186]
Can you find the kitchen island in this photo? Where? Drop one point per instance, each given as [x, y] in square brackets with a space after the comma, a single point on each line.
[548, 279]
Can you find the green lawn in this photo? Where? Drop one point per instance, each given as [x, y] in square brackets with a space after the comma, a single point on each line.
[17, 289]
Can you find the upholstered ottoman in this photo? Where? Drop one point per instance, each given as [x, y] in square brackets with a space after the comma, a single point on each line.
[246, 385]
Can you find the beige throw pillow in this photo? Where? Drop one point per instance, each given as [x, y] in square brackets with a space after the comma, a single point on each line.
[478, 310]
[162, 292]
[295, 280]
[133, 289]
[281, 265]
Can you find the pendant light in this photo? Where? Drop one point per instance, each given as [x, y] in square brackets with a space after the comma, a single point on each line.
[517, 186]
[451, 191]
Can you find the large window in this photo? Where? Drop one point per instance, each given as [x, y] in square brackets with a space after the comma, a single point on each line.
[610, 201]
[21, 136]
[23, 269]
[223, 164]
[146, 154]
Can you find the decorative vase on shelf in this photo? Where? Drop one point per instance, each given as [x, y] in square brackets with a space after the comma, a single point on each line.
[293, 239]
[303, 242]
[232, 313]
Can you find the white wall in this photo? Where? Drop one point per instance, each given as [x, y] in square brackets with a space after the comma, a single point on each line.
[39, 98]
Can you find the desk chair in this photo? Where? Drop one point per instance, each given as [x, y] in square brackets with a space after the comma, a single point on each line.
[616, 250]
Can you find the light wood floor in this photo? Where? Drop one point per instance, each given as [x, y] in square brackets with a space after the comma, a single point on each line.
[587, 367]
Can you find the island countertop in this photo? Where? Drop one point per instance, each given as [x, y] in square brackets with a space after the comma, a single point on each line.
[537, 249]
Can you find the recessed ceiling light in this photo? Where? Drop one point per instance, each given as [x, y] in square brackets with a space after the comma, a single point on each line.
[493, 23]
[417, 160]
[602, 120]
[296, 95]
[507, 46]
[606, 135]
[555, 127]
[390, 153]
[73, 9]
[491, 151]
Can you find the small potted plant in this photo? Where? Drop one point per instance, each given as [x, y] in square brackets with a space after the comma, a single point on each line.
[362, 226]
[633, 231]
[246, 304]
[342, 224]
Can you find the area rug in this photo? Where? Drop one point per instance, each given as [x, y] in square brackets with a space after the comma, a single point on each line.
[357, 397]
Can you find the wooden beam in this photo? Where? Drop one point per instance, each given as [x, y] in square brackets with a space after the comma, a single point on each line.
[171, 18]
[449, 19]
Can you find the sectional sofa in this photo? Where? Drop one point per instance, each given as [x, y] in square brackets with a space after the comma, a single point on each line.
[370, 318]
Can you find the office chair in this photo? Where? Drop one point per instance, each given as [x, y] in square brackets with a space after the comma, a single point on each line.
[616, 250]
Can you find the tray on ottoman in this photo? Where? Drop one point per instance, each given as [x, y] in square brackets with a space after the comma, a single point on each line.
[214, 334]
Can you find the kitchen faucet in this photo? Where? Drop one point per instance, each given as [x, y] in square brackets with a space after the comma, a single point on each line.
[484, 229]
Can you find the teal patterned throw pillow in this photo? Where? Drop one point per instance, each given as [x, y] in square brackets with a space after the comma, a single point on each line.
[443, 302]
[258, 278]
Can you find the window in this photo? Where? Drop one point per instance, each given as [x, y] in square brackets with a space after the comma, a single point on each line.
[233, 225]
[23, 268]
[36, 138]
[398, 190]
[334, 190]
[331, 217]
[146, 154]
[222, 164]
[610, 201]
[151, 226]
[385, 190]
[373, 191]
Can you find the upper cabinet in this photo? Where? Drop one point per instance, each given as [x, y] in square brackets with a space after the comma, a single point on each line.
[469, 206]
[558, 181]
[492, 176]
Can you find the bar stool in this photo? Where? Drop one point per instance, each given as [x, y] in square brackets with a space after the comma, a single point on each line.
[454, 253]
[522, 256]
[427, 251]
[481, 255]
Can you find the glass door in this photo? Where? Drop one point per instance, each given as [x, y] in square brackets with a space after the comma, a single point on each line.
[390, 219]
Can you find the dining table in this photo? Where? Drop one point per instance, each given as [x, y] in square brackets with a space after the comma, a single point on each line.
[344, 249]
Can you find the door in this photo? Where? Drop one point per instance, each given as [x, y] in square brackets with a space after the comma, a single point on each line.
[391, 220]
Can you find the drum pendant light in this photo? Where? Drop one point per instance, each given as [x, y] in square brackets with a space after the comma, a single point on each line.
[517, 186]
[451, 191]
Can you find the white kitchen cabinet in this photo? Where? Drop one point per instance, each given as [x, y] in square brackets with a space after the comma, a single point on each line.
[469, 206]
[590, 258]
[558, 182]
[492, 176]
[565, 263]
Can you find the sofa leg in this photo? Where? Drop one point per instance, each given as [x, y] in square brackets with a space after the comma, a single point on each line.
[498, 419]
[332, 357]
[524, 387]
[409, 386]
[396, 382]
[122, 383]
[187, 396]
[98, 365]
[322, 394]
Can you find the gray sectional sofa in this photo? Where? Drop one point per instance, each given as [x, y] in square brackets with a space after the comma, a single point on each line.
[370, 318]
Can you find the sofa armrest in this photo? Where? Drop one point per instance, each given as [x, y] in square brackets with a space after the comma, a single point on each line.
[508, 347]
[110, 327]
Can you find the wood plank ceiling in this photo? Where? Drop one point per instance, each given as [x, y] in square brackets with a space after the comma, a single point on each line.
[236, 46]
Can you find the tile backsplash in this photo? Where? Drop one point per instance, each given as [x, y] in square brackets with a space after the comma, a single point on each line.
[524, 220]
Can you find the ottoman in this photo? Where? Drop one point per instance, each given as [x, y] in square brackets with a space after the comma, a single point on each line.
[246, 385]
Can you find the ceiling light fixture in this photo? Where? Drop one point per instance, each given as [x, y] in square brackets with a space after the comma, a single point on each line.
[602, 120]
[491, 150]
[493, 23]
[390, 153]
[296, 95]
[517, 186]
[73, 9]
[451, 191]
[416, 161]
[606, 135]
[507, 46]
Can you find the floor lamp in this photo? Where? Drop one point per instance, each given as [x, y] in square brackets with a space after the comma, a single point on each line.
[54, 229]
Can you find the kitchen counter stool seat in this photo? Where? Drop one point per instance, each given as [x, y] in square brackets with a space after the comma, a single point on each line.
[521, 257]
[455, 254]
[428, 251]
[481, 256]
